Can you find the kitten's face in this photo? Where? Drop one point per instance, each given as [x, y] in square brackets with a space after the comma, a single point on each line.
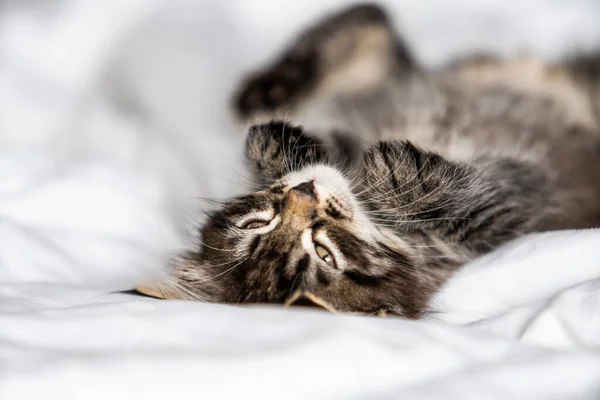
[305, 232]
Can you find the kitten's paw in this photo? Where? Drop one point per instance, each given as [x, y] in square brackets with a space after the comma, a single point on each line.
[275, 148]
[278, 88]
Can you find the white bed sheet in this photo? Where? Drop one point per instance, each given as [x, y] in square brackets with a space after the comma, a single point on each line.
[113, 120]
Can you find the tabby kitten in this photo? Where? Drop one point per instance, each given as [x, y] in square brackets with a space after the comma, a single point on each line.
[403, 176]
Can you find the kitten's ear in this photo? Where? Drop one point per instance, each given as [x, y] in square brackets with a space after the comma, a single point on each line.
[160, 288]
[276, 148]
[182, 281]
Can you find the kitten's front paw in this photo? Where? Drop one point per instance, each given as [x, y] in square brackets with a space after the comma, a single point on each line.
[276, 148]
[277, 89]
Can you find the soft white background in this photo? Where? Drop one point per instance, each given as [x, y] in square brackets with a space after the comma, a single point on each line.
[114, 121]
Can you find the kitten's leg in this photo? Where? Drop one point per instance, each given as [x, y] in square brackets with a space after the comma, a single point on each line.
[585, 71]
[350, 51]
[475, 206]
[275, 149]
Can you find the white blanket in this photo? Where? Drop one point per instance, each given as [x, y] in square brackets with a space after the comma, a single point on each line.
[114, 120]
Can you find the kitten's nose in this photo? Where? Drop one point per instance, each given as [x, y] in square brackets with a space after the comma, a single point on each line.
[306, 188]
[300, 204]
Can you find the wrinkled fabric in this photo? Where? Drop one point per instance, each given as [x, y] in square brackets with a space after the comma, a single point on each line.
[114, 125]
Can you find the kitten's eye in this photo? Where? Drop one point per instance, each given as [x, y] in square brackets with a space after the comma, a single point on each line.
[255, 224]
[323, 253]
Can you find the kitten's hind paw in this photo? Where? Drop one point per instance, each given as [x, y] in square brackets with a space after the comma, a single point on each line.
[278, 88]
[353, 50]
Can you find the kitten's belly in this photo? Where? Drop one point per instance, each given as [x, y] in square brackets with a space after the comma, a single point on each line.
[463, 120]
[467, 117]
[467, 122]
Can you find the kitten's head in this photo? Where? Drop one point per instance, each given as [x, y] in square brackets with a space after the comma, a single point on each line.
[309, 230]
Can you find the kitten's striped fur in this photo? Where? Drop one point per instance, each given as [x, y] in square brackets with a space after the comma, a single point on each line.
[403, 175]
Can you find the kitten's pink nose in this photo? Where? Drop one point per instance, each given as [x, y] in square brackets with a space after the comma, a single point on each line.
[300, 204]
[306, 188]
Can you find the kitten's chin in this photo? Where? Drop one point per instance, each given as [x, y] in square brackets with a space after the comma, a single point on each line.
[323, 175]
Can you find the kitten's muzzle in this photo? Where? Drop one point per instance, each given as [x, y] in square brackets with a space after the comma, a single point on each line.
[299, 204]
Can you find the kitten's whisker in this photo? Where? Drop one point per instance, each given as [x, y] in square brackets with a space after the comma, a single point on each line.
[177, 286]
[389, 211]
[393, 172]
[412, 221]
[394, 191]
[435, 191]
[293, 284]
[380, 181]
[287, 168]
[289, 162]
[201, 243]
[235, 259]
[213, 201]
[212, 278]
[249, 181]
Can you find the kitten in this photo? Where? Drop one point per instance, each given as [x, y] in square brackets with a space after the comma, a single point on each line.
[404, 175]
